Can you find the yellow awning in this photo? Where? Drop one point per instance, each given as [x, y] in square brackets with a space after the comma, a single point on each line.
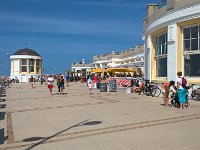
[119, 70]
[96, 70]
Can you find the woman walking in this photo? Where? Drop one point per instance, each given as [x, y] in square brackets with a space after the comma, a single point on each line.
[50, 81]
[61, 84]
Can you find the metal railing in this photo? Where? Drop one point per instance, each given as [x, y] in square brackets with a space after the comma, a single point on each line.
[162, 3]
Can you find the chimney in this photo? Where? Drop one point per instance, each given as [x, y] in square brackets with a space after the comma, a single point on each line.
[151, 9]
[170, 4]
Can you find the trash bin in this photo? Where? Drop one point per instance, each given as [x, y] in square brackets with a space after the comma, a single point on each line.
[98, 85]
[103, 87]
[82, 79]
[112, 86]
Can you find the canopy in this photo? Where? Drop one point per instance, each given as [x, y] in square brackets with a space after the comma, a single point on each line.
[97, 70]
[119, 70]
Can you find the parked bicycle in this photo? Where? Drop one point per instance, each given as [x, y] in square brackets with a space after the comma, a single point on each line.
[151, 89]
[175, 101]
[5, 84]
[195, 93]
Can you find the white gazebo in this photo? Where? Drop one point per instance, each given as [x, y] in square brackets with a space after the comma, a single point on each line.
[24, 64]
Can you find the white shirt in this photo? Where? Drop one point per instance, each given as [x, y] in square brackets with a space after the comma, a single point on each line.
[50, 80]
[179, 80]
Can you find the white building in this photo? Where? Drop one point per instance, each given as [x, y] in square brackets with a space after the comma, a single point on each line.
[172, 40]
[131, 58]
[81, 68]
[24, 64]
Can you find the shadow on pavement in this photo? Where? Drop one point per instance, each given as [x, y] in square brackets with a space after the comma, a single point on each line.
[44, 139]
[2, 138]
[2, 115]
[2, 105]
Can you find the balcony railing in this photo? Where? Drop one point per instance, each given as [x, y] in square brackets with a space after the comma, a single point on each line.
[82, 65]
[162, 3]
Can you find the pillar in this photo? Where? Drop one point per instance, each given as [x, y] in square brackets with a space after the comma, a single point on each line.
[172, 52]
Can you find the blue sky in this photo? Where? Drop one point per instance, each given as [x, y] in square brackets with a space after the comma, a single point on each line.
[65, 31]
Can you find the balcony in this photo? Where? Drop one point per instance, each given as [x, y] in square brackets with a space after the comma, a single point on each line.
[82, 65]
[162, 4]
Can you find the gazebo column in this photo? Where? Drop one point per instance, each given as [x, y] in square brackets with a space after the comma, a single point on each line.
[20, 66]
[28, 66]
[35, 64]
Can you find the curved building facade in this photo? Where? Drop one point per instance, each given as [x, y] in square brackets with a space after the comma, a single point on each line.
[24, 64]
[172, 40]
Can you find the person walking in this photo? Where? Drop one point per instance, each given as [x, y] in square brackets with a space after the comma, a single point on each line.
[95, 80]
[61, 85]
[90, 85]
[67, 80]
[58, 82]
[31, 80]
[181, 90]
[165, 90]
[50, 81]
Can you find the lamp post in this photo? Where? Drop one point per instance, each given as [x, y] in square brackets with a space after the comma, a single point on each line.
[2, 61]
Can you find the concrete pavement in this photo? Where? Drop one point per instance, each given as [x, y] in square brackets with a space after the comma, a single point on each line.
[33, 119]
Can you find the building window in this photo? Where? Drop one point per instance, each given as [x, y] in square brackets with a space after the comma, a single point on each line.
[37, 65]
[31, 65]
[191, 48]
[161, 55]
[24, 65]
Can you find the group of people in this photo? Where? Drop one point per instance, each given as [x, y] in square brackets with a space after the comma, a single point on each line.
[92, 82]
[60, 81]
[167, 87]
[180, 88]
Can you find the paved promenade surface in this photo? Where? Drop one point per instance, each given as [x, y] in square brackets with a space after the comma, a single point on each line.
[33, 119]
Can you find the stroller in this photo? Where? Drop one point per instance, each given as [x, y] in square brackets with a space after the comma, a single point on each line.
[175, 101]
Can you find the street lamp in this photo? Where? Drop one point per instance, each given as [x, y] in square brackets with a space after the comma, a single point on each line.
[2, 60]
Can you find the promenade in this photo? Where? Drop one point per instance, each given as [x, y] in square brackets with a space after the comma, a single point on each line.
[35, 120]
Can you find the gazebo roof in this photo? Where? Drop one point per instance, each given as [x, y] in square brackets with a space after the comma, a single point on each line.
[26, 51]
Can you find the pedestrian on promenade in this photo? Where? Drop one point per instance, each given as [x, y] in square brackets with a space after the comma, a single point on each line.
[58, 82]
[50, 81]
[41, 79]
[165, 90]
[67, 80]
[90, 85]
[31, 80]
[61, 85]
[181, 90]
[95, 80]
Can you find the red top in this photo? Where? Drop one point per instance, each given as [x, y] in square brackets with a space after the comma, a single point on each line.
[95, 79]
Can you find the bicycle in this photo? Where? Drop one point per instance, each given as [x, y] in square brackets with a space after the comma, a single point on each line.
[6, 84]
[155, 90]
[151, 89]
[195, 93]
[175, 101]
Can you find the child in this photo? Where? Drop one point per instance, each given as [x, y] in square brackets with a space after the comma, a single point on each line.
[90, 84]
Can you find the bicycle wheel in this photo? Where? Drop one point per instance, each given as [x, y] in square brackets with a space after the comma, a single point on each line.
[156, 92]
[198, 98]
[9, 85]
[187, 104]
